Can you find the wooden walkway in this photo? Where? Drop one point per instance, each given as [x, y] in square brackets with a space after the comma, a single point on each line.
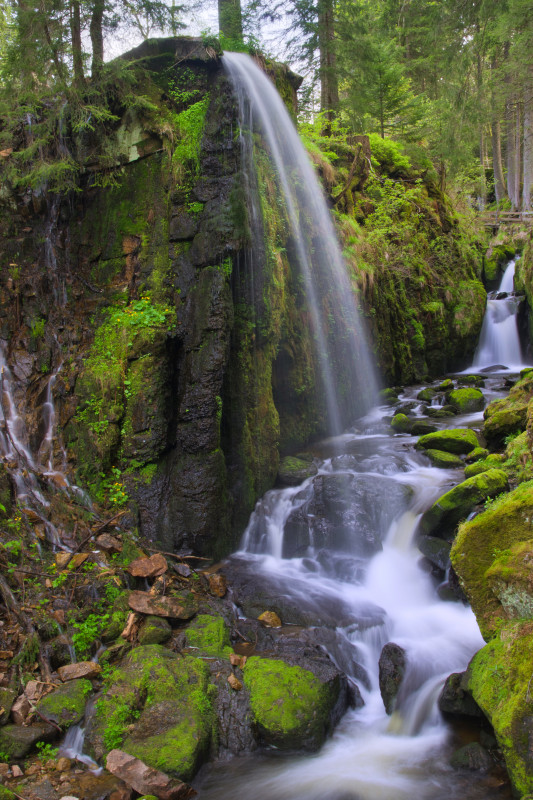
[494, 219]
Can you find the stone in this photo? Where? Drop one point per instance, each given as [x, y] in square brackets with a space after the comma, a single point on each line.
[20, 710]
[209, 635]
[108, 543]
[16, 741]
[151, 567]
[155, 630]
[144, 779]
[7, 698]
[444, 460]
[65, 706]
[456, 700]
[466, 400]
[237, 660]
[426, 395]
[448, 510]
[401, 423]
[445, 385]
[82, 669]
[270, 618]
[472, 757]
[63, 763]
[218, 585]
[455, 440]
[392, 666]
[145, 603]
[293, 471]
[16, 771]
[477, 454]
[436, 550]
[234, 682]
[421, 427]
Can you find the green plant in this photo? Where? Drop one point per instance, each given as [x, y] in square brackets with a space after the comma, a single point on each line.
[46, 751]
[37, 328]
[87, 631]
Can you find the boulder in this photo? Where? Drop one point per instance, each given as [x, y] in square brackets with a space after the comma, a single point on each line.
[456, 700]
[455, 440]
[442, 517]
[508, 415]
[148, 567]
[466, 400]
[66, 705]
[426, 395]
[144, 779]
[473, 757]
[82, 669]
[392, 666]
[208, 635]
[16, 741]
[155, 630]
[401, 423]
[477, 454]
[436, 550]
[510, 578]
[444, 460]
[420, 428]
[7, 698]
[293, 471]
[445, 386]
[171, 607]
[494, 460]
[217, 584]
[270, 619]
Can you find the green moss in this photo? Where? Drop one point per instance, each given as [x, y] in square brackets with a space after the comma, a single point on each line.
[476, 454]
[509, 415]
[466, 400]
[445, 460]
[7, 794]
[492, 460]
[401, 423]
[500, 254]
[288, 703]
[456, 440]
[66, 705]
[506, 522]
[499, 677]
[518, 462]
[459, 501]
[209, 635]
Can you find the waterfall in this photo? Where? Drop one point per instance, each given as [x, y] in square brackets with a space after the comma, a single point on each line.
[350, 384]
[499, 343]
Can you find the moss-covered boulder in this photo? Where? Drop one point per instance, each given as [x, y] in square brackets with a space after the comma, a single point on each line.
[293, 471]
[456, 440]
[426, 395]
[481, 541]
[291, 707]
[440, 458]
[510, 579]
[65, 706]
[155, 630]
[476, 454]
[508, 415]
[466, 400]
[499, 677]
[209, 635]
[16, 741]
[495, 259]
[421, 427]
[471, 380]
[401, 423]
[494, 460]
[456, 504]
[158, 708]
[445, 386]
[388, 396]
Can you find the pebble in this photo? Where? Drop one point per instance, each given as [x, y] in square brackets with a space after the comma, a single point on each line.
[63, 764]
[16, 771]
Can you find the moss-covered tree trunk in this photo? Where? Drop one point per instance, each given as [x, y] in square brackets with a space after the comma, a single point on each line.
[230, 19]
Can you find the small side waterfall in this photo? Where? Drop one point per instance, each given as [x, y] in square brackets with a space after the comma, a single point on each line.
[344, 357]
[499, 343]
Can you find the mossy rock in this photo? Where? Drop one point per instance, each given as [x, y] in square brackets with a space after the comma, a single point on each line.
[494, 460]
[66, 705]
[456, 504]
[499, 255]
[467, 400]
[445, 386]
[293, 471]
[518, 458]
[290, 706]
[7, 698]
[158, 708]
[510, 578]
[508, 415]
[472, 756]
[499, 677]
[456, 440]
[156, 630]
[388, 396]
[438, 413]
[117, 619]
[420, 428]
[16, 741]
[401, 423]
[426, 395]
[478, 544]
[471, 380]
[209, 635]
[440, 458]
[477, 454]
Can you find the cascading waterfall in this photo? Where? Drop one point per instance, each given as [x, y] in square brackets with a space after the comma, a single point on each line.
[329, 292]
[357, 571]
[499, 343]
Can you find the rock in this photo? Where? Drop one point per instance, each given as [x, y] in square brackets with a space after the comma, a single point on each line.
[473, 757]
[59, 651]
[20, 710]
[438, 413]
[209, 635]
[426, 395]
[63, 764]
[441, 518]
[290, 706]
[217, 584]
[16, 741]
[401, 423]
[508, 415]
[82, 669]
[420, 428]
[293, 471]
[108, 543]
[16, 771]
[466, 400]
[388, 396]
[234, 682]
[270, 618]
[182, 569]
[64, 560]
[148, 567]
[392, 666]
[66, 705]
[444, 460]
[144, 779]
[455, 699]
[455, 440]
[445, 386]
[155, 630]
[237, 661]
[494, 460]
[437, 550]
[7, 699]
[510, 578]
[145, 603]
[471, 380]
[173, 715]
[477, 454]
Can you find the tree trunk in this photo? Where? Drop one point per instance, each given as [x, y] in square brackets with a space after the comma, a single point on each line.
[482, 178]
[329, 86]
[497, 165]
[97, 37]
[230, 19]
[77, 50]
[513, 152]
[528, 143]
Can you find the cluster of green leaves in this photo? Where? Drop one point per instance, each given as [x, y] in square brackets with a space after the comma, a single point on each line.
[86, 632]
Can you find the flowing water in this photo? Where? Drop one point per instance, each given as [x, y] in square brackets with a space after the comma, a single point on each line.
[499, 342]
[317, 255]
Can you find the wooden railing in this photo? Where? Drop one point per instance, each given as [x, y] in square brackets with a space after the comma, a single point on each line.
[493, 219]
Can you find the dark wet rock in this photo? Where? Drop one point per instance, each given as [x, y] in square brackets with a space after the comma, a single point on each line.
[293, 471]
[389, 396]
[183, 226]
[436, 550]
[472, 757]
[59, 651]
[345, 462]
[235, 735]
[16, 741]
[438, 413]
[172, 607]
[455, 699]
[7, 698]
[392, 667]
[155, 630]
[420, 428]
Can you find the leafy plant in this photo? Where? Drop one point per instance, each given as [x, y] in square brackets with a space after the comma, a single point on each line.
[46, 751]
[87, 631]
